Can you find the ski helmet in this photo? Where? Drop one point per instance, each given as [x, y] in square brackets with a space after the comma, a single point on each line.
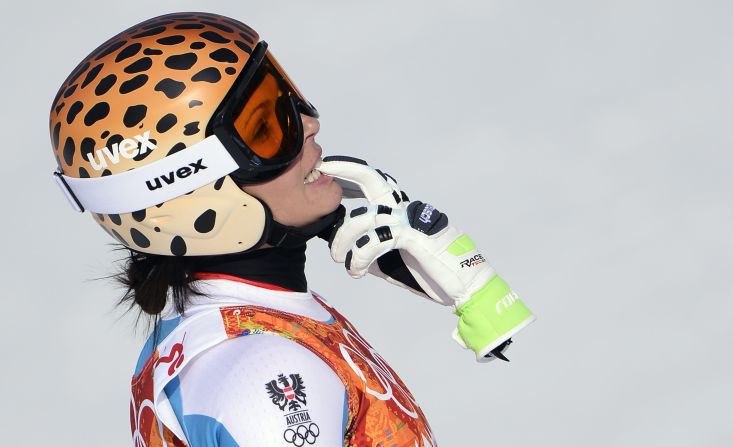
[155, 130]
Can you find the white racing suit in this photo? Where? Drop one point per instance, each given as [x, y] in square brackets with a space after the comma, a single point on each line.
[250, 365]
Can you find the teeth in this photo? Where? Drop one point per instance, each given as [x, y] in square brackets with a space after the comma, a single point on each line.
[312, 176]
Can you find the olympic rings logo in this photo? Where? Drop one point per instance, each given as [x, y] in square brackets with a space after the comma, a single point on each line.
[381, 383]
[302, 435]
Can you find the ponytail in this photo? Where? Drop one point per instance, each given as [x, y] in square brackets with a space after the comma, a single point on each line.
[151, 279]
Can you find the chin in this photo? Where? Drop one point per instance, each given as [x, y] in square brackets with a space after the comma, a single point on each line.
[336, 195]
[331, 207]
[330, 203]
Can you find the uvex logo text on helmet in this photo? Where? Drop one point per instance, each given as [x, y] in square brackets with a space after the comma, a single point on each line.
[128, 148]
[170, 178]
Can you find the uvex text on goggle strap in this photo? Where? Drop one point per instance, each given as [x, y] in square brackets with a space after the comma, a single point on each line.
[254, 134]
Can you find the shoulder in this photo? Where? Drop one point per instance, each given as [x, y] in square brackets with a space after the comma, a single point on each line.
[260, 389]
[251, 359]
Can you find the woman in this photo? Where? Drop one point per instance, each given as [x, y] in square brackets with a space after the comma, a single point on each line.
[190, 145]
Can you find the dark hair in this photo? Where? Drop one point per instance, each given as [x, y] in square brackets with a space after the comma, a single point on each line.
[150, 279]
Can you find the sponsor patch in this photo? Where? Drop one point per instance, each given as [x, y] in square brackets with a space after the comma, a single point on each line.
[473, 260]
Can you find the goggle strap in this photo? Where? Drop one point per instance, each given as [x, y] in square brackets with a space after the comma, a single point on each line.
[67, 192]
[157, 182]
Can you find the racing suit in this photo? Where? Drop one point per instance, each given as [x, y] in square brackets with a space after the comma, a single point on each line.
[253, 364]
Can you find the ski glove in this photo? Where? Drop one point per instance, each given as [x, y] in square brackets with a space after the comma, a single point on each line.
[411, 244]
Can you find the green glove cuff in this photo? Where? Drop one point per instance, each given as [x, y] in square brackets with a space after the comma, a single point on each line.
[491, 316]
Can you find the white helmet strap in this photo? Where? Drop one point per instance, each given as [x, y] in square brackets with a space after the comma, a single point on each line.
[154, 183]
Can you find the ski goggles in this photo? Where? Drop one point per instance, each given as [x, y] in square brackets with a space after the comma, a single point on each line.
[253, 136]
[259, 120]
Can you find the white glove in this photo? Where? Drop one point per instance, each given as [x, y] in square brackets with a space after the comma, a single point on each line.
[415, 247]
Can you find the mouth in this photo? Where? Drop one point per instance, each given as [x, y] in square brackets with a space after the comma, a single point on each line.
[314, 174]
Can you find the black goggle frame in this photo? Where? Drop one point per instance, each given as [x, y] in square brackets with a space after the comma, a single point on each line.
[252, 167]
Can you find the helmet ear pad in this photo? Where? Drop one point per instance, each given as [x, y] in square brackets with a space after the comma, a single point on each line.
[218, 218]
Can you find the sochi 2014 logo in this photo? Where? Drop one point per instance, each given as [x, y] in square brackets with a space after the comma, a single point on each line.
[290, 391]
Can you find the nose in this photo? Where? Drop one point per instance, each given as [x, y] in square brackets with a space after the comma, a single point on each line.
[311, 126]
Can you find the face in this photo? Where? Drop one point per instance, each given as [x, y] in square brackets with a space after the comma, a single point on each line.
[299, 196]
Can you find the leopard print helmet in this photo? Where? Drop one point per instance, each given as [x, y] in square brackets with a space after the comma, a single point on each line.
[149, 92]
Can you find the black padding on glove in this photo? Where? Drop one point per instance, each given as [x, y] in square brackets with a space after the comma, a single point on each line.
[358, 211]
[396, 196]
[392, 265]
[425, 218]
[345, 158]
[385, 175]
[347, 261]
[362, 241]
[384, 233]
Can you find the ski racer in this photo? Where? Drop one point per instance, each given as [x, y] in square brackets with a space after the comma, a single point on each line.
[188, 143]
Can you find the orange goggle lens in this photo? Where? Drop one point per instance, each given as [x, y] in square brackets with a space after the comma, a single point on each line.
[269, 122]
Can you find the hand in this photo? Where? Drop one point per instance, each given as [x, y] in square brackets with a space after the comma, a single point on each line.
[415, 247]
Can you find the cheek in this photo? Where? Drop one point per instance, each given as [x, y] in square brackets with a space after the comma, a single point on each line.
[293, 203]
[282, 189]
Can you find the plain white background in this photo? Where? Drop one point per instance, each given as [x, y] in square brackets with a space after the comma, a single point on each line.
[586, 146]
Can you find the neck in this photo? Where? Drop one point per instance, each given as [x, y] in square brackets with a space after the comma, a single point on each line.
[279, 266]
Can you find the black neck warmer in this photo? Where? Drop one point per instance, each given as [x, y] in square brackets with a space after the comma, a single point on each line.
[280, 266]
[283, 264]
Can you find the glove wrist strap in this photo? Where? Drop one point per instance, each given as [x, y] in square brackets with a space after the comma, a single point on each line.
[492, 315]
